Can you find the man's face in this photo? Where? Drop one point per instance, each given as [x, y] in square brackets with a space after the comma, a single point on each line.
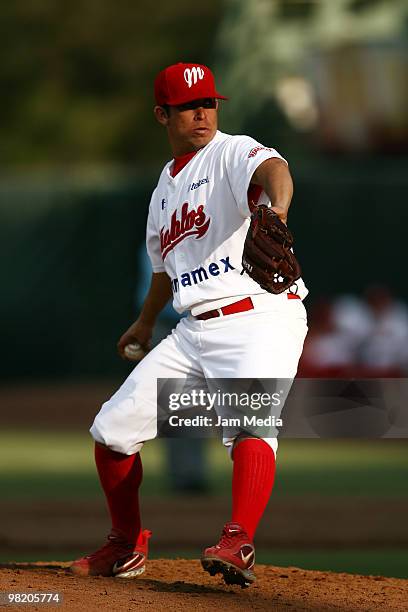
[190, 126]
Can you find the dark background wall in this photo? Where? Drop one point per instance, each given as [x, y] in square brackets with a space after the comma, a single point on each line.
[69, 256]
[81, 152]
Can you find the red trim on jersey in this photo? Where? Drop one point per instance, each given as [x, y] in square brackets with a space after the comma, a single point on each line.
[180, 162]
[254, 193]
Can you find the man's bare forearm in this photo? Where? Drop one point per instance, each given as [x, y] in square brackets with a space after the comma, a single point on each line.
[274, 177]
[156, 299]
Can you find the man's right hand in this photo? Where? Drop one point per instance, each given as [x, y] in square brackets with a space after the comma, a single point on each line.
[138, 333]
[141, 331]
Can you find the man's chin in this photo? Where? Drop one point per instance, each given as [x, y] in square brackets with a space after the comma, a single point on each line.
[199, 141]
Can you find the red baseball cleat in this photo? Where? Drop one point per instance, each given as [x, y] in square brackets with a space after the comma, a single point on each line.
[116, 558]
[233, 556]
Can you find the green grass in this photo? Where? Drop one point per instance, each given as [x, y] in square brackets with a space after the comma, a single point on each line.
[54, 464]
[377, 562]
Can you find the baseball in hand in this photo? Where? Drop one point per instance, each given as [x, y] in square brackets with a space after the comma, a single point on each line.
[134, 352]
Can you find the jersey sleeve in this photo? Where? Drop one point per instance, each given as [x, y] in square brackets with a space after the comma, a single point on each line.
[243, 157]
[153, 242]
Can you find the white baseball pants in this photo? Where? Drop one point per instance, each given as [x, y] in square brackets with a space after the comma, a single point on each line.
[265, 342]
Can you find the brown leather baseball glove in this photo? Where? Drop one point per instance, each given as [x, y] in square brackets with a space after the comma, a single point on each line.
[267, 255]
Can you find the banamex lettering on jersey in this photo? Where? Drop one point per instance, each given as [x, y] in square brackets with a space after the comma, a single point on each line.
[193, 222]
[201, 274]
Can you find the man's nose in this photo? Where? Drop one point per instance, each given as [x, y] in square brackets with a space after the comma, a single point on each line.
[199, 113]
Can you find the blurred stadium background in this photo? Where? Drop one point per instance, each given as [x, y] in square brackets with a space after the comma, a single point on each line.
[322, 81]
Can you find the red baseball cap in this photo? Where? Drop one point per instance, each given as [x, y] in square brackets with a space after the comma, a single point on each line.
[181, 83]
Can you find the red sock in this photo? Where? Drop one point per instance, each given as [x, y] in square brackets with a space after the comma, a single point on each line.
[252, 482]
[120, 477]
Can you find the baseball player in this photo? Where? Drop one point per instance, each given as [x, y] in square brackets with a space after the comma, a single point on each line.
[198, 219]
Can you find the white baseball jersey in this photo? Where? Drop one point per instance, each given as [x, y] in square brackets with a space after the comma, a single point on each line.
[198, 221]
[197, 225]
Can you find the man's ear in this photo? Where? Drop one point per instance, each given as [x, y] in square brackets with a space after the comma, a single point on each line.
[161, 115]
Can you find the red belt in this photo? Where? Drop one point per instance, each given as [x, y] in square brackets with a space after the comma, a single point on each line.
[240, 306]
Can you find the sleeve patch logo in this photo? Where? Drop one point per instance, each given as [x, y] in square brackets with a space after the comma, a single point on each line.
[255, 150]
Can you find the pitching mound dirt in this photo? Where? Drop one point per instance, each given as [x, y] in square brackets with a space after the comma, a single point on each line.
[182, 585]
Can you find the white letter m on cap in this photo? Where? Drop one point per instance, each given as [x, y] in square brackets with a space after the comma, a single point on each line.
[191, 75]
